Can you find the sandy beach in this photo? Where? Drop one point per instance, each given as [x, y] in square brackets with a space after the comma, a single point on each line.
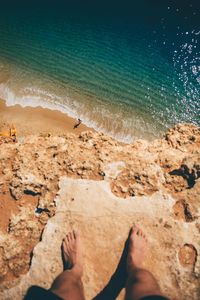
[37, 120]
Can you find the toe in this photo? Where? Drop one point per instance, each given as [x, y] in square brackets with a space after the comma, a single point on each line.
[71, 236]
[132, 233]
[137, 230]
[68, 238]
[76, 234]
[65, 242]
[65, 239]
[144, 236]
[64, 245]
[140, 233]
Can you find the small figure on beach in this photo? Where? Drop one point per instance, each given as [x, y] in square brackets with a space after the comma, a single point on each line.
[9, 135]
[78, 124]
[139, 283]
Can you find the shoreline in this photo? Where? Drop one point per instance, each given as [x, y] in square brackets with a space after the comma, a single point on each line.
[30, 120]
[37, 120]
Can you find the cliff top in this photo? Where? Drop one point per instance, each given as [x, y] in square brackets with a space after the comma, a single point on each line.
[51, 183]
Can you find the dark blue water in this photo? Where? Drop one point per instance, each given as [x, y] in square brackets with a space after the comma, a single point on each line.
[129, 70]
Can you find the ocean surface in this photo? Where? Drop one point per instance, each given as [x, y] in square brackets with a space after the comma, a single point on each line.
[130, 70]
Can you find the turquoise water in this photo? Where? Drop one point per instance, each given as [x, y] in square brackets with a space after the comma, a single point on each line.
[130, 73]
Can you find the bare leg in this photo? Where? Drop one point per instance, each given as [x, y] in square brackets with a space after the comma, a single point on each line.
[140, 282]
[68, 285]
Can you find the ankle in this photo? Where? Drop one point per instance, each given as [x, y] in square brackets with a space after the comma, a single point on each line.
[77, 271]
[132, 267]
[133, 274]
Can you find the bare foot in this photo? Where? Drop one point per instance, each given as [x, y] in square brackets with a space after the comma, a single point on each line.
[71, 250]
[137, 249]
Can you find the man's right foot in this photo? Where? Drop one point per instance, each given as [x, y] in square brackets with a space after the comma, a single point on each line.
[72, 255]
[137, 249]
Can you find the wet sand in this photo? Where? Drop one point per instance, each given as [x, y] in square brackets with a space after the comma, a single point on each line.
[29, 120]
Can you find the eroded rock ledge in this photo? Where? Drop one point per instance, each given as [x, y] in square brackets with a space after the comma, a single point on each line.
[50, 183]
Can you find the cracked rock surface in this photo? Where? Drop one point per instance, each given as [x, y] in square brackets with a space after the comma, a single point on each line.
[49, 184]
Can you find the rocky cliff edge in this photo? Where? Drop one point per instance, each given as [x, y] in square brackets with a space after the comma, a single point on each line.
[50, 184]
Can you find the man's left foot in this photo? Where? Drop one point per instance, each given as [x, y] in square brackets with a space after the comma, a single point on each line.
[72, 254]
